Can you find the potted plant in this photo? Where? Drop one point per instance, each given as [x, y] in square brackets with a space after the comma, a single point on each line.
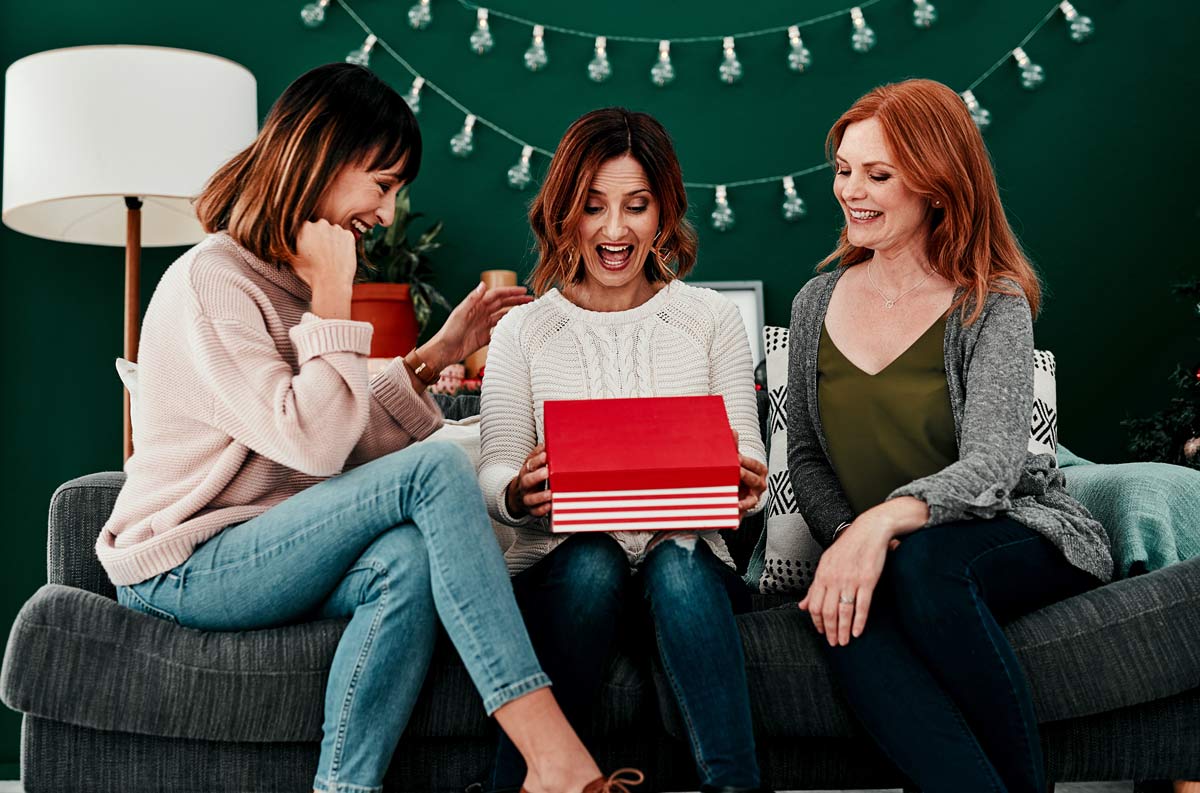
[395, 291]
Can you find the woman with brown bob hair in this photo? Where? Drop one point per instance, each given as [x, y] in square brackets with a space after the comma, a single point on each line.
[613, 319]
[910, 391]
[273, 482]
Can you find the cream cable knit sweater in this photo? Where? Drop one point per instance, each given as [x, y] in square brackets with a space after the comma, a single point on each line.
[684, 341]
[245, 400]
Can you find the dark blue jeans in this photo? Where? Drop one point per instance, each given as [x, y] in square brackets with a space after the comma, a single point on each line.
[933, 679]
[572, 602]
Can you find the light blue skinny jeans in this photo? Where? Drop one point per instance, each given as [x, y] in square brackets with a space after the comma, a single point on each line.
[393, 544]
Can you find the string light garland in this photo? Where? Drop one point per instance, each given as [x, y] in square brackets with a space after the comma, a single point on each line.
[520, 175]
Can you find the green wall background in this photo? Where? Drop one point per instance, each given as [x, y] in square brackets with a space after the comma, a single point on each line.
[1097, 170]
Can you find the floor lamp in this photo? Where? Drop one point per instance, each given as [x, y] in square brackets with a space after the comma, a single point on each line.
[107, 145]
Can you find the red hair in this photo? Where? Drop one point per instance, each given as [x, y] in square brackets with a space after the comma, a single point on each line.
[941, 157]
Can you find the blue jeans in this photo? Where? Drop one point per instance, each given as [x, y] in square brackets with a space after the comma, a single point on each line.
[393, 545]
[933, 678]
[572, 601]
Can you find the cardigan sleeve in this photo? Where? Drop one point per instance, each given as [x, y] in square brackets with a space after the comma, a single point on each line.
[993, 437]
[819, 494]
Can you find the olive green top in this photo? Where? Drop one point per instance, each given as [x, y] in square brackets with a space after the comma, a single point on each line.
[890, 428]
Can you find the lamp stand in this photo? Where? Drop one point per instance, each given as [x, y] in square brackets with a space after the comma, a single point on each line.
[133, 265]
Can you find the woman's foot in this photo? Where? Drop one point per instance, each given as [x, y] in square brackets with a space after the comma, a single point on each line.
[616, 782]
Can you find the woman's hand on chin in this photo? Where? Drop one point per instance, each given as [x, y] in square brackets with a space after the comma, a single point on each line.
[326, 260]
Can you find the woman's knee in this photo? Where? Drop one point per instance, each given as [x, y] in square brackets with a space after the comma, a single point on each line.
[683, 569]
[399, 558]
[442, 458]
[594, 567]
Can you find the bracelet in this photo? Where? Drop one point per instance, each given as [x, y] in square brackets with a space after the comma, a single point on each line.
[423, 371]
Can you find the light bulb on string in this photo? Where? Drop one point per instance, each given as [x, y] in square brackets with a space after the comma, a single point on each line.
[600, 69]
[662, 72]
[799, 57]
[1032, 75]
[462, 144]
[481, 37]
[924, 14]
[362, 55]
[863, 38]
[536, 57]
[420, 15]
[722, 215]
[313, 14]
[413, 97]
[730, 70]
[979, 114]
[520, 175]
[1081, 27]
[793, 205]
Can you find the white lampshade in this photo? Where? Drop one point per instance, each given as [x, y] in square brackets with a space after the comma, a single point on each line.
[86, 126]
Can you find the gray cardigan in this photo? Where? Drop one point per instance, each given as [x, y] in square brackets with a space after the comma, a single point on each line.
[989, 371]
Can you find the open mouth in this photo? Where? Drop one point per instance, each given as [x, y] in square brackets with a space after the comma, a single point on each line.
[614, 257]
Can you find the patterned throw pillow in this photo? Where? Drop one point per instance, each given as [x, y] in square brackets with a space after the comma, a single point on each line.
[789, 554]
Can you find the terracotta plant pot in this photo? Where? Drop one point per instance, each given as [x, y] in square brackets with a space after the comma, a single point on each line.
[389, 308]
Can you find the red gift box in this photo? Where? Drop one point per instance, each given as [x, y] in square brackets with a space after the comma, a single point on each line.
[652, 463]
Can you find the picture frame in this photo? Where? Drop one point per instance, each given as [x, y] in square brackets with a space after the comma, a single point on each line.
[748, 297]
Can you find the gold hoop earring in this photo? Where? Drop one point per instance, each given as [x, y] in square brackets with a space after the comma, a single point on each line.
[661, 257]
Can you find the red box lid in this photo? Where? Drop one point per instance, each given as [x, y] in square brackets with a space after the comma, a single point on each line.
[641, 443]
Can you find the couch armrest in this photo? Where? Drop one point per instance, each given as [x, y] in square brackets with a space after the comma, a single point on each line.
[78, 510]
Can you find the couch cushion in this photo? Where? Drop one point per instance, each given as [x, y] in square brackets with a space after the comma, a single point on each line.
[81, 658]
[1126, 643]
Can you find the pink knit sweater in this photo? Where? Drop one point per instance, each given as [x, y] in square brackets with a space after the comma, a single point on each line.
[245, 399]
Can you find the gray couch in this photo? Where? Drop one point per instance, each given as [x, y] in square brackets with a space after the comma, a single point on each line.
[115, 701]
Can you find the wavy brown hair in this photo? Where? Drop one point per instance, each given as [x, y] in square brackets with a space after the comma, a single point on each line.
[941, 157]
[332, 116]
[592, 140]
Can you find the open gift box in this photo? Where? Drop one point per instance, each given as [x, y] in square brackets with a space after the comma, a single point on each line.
[650, 463]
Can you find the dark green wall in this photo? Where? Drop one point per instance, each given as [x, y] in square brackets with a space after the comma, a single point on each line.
[1097, 170]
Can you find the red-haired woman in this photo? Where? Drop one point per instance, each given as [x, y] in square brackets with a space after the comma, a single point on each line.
[614, 320]
[910, 388]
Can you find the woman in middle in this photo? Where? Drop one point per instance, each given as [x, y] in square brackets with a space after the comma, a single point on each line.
[614, 320]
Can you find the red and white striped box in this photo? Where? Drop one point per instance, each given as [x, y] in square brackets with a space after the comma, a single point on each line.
[651, 463]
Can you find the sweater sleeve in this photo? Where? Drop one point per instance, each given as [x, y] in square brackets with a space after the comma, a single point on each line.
[508, 429]
[398, 417]
[731, 375]
[308, 420]
[819, 494]
[994, 435]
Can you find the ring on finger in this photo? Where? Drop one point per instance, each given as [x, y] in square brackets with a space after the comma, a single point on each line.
[846, 600]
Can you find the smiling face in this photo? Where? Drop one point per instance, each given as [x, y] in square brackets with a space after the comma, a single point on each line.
[881, 212]
[620, 219]
[358, 198]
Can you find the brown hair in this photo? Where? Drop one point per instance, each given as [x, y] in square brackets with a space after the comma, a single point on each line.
[942, 158]
[332, 116]
[594, 139]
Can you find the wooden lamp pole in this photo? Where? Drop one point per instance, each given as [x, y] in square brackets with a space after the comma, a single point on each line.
[133, 264]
